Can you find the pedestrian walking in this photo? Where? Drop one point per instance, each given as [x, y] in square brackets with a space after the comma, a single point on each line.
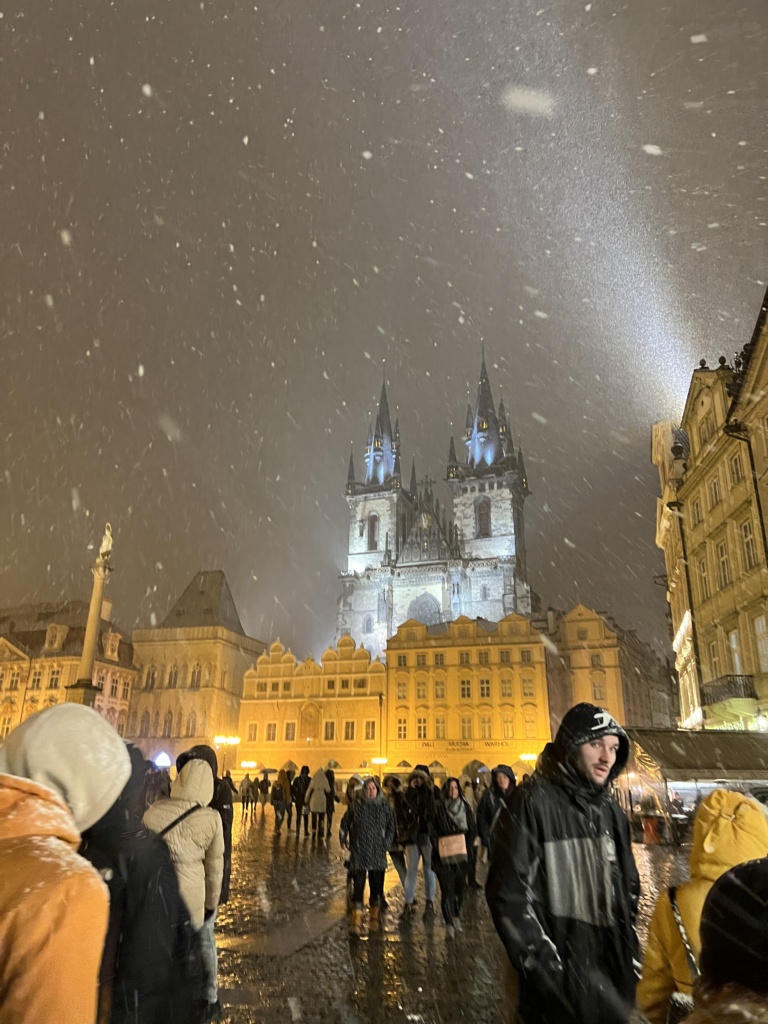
[262, 791]
[496, 796]
[367, 830]
[729, 828]
[563, 888]
[222, 804]
[316, 800]
[289, 774]
[453, 835]
[193, 832]
[229, 781]
[299, 789]
[281, 795]
[404, 824]
[331, 799]
[246, 793]
[60, 771]
[151, 970]
[733, 987]
[421, 799]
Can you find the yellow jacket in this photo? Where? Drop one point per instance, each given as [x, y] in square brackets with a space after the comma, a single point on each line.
[729, 829]
[53, 911]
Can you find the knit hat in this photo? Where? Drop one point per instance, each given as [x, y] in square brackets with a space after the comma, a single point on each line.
[203, 753]
[587, 722]
[734, 928]
[73, 751]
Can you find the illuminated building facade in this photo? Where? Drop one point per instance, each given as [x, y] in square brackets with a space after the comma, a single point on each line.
[192, 668]
[409, 558]
[40, 649]
[711, 527]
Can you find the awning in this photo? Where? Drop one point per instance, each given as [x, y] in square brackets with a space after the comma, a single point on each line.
[710, 755]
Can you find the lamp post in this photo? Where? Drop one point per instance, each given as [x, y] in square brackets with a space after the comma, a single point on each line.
[225, 742]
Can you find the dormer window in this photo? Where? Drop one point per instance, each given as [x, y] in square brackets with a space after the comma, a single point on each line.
[111, 645]
[55, 637]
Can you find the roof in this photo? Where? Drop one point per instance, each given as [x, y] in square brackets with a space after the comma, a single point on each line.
[713, 754]
[207, 601]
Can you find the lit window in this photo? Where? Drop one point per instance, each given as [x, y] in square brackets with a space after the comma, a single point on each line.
[290, 732]
[466, 689]
[439, 689]
[330, 731]
[440, 728]
[402, 728]
[485, 689]
[271, 732]
[421, 728]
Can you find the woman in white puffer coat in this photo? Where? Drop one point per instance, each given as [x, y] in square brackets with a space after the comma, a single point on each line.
[196, 841]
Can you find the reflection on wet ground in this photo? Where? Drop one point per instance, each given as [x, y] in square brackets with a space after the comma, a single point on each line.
[285, 954]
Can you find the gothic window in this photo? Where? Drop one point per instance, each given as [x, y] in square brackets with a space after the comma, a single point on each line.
[425, 609]
[483, 518]
[373, 532]
[192, 724]
[167, 724]
[195, 678]
[144, 727]
[151, 678]
[367, 624]
[156, 724]
[173, 677]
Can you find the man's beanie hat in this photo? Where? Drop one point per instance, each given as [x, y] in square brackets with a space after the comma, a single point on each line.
[586, 722]
[734, 928]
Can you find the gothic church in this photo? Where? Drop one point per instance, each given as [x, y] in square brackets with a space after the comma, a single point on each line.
[411, 558]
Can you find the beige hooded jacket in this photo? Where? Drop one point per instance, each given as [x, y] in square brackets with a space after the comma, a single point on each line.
[196, 844]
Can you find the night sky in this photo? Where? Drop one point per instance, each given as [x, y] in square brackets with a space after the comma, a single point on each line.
[219, 218]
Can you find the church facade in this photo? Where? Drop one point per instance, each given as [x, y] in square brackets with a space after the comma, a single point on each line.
[411, 558]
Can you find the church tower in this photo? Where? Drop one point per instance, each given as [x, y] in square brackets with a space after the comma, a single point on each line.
[489, 488]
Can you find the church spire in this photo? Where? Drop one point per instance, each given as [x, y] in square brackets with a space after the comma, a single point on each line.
[453, 462]
[483, 441]
[414, 483]
[351, 471]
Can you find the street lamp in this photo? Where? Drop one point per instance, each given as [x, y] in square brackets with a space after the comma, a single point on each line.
[225, 741]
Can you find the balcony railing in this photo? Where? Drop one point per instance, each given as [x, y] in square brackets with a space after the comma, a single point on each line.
[728, 688]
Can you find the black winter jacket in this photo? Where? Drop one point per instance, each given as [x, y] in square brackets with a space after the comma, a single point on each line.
[563, 891]
[368, 825]
[491, 803]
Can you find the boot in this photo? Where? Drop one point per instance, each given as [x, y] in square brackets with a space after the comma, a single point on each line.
[356, 924]
[373, 919]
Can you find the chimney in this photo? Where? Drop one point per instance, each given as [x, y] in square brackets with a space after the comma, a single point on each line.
[106, 609]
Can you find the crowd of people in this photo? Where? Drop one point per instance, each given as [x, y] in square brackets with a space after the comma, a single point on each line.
[111, 876]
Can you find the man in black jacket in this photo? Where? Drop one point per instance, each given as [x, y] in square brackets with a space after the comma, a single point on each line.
[498, 793]
[299, 788]
[563, 888]
[221, 802]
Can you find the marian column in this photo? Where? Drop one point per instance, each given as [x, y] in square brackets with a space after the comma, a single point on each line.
[83, 691]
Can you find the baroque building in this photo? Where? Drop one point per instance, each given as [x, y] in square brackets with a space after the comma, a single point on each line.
[40, 649]
[191, 668]
[411, 558]
[711, 526]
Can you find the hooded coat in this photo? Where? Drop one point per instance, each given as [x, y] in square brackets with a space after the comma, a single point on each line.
[491, 803]
[299, 787]
[196, 844]
[563, 888]
[221, 803]
[421, 801]
[368, 825]
[729, 829]
[316, 795]
[443, 824]
[60, 771]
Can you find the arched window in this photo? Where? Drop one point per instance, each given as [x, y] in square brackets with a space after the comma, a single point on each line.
[144, 727]
[151, 678]
[192, 724]
[367, 624]
[483, 518]
[373, 532]
[179, 724]
[167, 724]
[156, 724]
[173, 677]
[195, 678]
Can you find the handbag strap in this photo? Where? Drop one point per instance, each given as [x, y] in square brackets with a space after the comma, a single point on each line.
[692, 965]
[178, 821]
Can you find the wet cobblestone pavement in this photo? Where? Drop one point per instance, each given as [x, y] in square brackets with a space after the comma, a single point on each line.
[285, 954]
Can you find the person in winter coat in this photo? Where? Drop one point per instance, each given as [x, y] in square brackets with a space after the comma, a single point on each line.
[60, 771]
[299, 788]
[453, 817]
[195, 838]
[222, 804]
[404, 823]
[331, 799]
[563, 888]
[281, 795]
[421, 800]
[367, 830]
[729, 829]
[247, 795]
[316, 799]
[493, 799]
[263, 791]
[151, 972]
[230, 782]
[733, 987]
